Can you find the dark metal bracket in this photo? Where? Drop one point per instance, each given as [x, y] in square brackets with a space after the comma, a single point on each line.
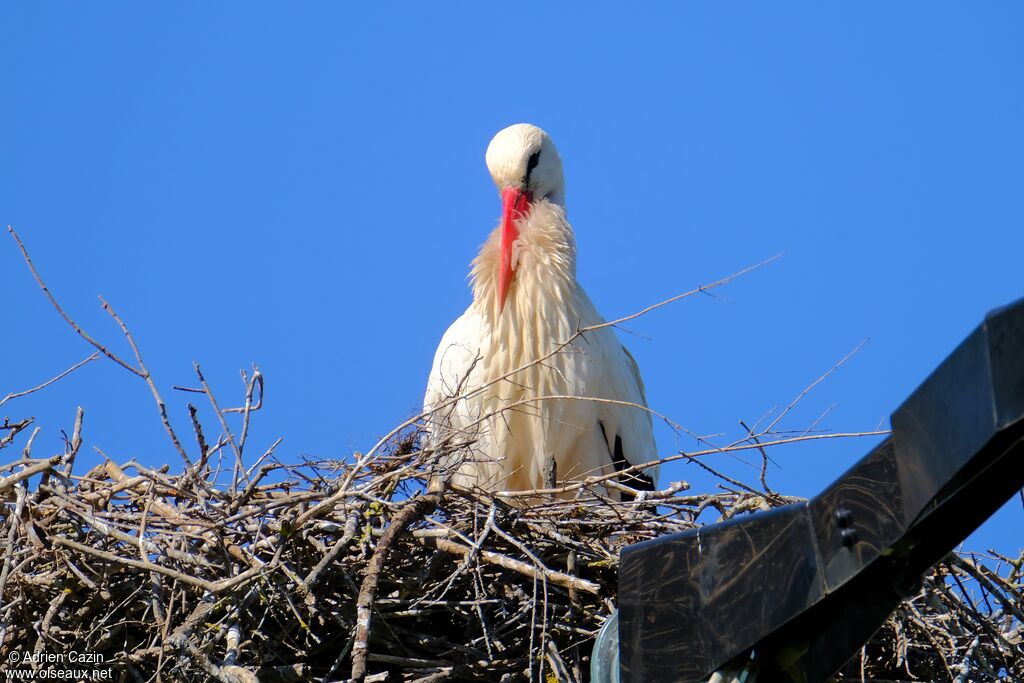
[806, 585]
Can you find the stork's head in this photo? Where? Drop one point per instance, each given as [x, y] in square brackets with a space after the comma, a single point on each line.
[523, 157]
[525, 166]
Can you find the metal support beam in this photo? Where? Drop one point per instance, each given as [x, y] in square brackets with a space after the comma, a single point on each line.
[806, 585]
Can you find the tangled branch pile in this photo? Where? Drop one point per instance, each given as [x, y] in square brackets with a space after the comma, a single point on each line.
[364, 569]
[173, 577]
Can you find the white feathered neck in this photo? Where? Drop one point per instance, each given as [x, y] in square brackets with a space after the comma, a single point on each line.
[544, 308]
[544, 259]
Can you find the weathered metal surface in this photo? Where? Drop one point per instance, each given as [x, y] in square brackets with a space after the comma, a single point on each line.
[806, 585]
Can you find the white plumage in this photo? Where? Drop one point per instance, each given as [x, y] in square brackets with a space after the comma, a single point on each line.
[581, 404]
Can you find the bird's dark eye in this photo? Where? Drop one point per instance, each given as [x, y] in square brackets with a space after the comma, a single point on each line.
[530, 165]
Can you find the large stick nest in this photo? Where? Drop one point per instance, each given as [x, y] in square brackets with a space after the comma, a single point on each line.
[172, 576]
[242, 569]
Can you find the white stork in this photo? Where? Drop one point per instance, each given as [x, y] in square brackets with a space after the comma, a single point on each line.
[589, 408]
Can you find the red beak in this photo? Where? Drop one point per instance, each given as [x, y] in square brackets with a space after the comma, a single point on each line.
[515, 207]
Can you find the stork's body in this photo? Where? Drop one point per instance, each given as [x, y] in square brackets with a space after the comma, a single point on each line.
[525, 397]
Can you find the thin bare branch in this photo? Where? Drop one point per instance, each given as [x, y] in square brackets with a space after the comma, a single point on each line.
[50, 381]
[82, 333]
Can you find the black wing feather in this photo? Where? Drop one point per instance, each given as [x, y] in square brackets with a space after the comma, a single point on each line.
[635, 480]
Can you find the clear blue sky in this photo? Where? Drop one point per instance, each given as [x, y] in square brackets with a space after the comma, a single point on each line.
[302, 186]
